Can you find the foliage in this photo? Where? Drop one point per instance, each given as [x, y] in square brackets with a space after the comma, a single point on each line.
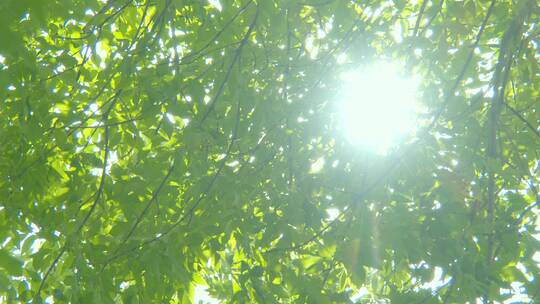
[150, 146]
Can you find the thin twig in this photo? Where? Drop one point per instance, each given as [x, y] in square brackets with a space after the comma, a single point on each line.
[520, 117]
[92, 208]
[148, 205]
[394, 165]
[428, 24]
[458, 80]
[219, 33]
[191, 210]
[229, 70]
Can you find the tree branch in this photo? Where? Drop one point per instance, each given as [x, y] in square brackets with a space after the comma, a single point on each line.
[458, 80]
[419, 18]
[204, 194]
[98, 195]
[358, 196]
[229, 70]
[428, 24]
[220, 32]
[520, 117]
[148, 205]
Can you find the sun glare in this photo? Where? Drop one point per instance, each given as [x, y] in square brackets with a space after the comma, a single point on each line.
[378, 106]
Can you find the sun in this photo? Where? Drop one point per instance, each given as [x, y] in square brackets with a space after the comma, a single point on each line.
[378, 106]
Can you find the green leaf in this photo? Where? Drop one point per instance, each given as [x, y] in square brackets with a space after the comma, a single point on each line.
[11, 264]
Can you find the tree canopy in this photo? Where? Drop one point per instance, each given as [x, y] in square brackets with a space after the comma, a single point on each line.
[152, 146]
